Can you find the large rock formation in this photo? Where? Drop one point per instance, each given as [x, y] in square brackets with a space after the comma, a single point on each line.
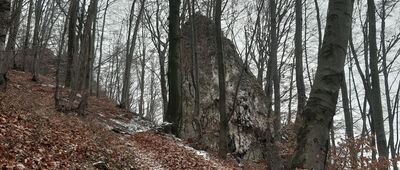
[248, 119]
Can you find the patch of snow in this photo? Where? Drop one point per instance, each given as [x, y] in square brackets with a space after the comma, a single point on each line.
[200, 153]
[136, 125]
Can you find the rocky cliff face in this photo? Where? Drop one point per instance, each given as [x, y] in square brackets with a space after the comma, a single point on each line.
[248, 119]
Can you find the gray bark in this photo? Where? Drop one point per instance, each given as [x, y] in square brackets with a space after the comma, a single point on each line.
[125, 100]
[313, 135]
[301, 91]
[274, 161]
[224, 120]
[14, 27]
[142, 75]
[348, 117]
[87, 56]
[36, 39]
[4, 24]
[174, 111]
[72, 51]
[386, 82]
[376, 103]
[27, 34]
[60, 50]
[101, 49]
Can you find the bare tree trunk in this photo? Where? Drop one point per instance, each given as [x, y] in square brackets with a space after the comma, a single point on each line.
[376, 103]
[4, 20]
[289, 121]
[274, 160]
[174, 113]
[36, 38]
[386, 81]
[301, 91]
[151, 107]
[60, 50]
[73, 16]
[14, 27]
[142, 74]
[93, 49]
[158, 43]
[313, 135]
[195, 71]
[223, 117]
[87, 52]
[27, 35]
[101, 49]
[125, 100]
[348, 120]
[319, 25]
[305, 44]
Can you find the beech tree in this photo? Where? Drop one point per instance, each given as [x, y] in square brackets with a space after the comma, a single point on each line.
[88, 55]
[36, 38]
[174, 114]
[72, 51]
[376, 101]
[313, 135]
[223, 116]
[301, 91]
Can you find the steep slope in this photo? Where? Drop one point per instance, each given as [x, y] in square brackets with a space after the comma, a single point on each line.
[34, 135]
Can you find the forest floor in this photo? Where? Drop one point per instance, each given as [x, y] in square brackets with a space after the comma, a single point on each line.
[33, 135]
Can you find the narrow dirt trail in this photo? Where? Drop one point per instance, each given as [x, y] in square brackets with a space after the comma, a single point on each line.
[170, 155]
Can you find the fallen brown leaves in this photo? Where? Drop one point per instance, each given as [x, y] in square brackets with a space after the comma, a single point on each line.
[169, 154]
[35, 136]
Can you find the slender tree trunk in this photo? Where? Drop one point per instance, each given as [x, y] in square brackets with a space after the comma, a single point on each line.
[151, 107]
[291, 94]
[60, 50]
[174, 113]
[87, 52]
[125, 93]
[301, 91]
[348, 117]
[73, 16]
[274, 160]
[195, 71]
[36, 39]
[386, 81]
[305, 44]
[376, 103]
[93, 49]
[4, 20]
[313, 135]
[319, 25]
[15, 21]
[223, 117]
[101, 49]
[142, 74]
[125, 99]
[27, 35]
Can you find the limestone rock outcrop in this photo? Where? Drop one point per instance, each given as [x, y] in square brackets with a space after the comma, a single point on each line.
[248, 119]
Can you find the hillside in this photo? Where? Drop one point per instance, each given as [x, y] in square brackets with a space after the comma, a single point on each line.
[33, 135]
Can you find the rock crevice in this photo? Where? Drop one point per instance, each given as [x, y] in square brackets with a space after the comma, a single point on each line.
[248, 120]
